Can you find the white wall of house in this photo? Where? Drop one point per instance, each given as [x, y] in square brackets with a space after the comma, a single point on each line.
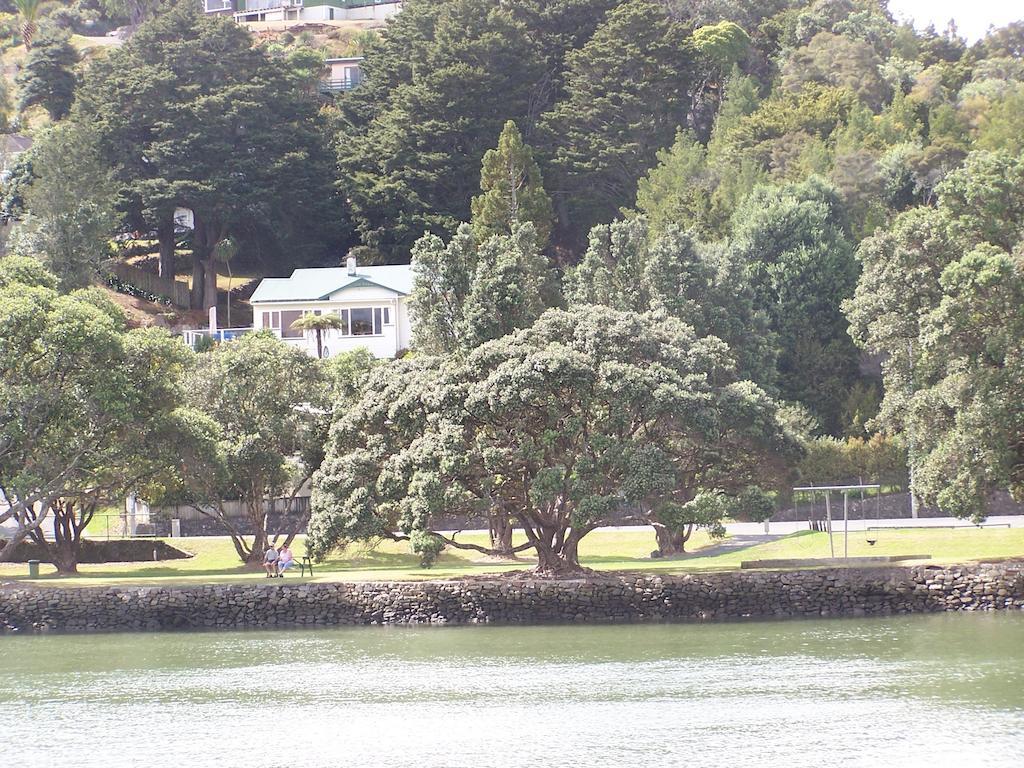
[391, 332]
[347, 69]
[373, 12]
[320, 13]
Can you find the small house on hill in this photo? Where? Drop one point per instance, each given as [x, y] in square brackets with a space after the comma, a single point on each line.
[304, 10]
[342, 74]
[372, 303]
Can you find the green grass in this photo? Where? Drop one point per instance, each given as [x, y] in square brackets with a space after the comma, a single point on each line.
[215, 561]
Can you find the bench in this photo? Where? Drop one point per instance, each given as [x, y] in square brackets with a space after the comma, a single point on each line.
[305, 563]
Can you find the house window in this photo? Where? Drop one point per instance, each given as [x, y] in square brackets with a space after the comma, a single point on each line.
[288, 317]
[272, 320]
[364, 321]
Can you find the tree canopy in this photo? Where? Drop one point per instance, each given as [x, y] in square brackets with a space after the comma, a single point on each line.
[259, 411]
[48, 77]
[940, 295]
[557, 424]
[242, 145]
[512, 190]
[88, 408]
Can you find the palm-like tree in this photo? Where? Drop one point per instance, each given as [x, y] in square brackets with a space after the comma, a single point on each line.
[29, 12]
[319, 324]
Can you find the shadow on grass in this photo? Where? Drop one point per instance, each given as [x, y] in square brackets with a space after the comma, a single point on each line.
[142, 573]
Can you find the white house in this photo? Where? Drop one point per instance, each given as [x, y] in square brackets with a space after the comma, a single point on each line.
[371, 301]
[341, 74]
[304, 10]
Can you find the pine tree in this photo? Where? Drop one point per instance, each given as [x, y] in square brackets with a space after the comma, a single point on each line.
[513, 191]
[507, 288]
[48, 77]
[627, 93]
[411, 147]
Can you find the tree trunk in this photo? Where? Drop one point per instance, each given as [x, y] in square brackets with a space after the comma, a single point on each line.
[562, 563]
[204, 270]
[165, 238]
[210, 290]
[64, 556]
[670, 541]
[501, 535]
[198, 279]
[70, 518]
[557, 549]
[260, 539]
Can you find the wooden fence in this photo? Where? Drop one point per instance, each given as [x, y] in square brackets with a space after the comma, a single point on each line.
[231, 509]
[174, 290]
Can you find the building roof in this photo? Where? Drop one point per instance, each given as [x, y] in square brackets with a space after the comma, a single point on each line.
[14, 143]
[319, 284]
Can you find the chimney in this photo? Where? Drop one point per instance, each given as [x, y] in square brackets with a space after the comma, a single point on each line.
[351, 262]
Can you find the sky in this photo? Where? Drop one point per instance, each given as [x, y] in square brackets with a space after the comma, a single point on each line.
[972, 16]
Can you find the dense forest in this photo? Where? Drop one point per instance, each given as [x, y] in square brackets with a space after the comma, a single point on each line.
[836, 199]
[802, 180]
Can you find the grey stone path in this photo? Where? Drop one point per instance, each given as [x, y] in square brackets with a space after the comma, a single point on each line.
[735, 543]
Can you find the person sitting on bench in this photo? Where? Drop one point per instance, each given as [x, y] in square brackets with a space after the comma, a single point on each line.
[285, 560]
[270, 558]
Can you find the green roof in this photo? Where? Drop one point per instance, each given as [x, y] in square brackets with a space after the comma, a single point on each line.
[319, 284]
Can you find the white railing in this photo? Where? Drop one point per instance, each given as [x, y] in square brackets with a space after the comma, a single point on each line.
[221, 334]
[267, 5]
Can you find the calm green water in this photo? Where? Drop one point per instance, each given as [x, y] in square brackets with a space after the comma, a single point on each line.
[932, 691]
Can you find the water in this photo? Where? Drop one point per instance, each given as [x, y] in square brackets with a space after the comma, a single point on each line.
[945, 690]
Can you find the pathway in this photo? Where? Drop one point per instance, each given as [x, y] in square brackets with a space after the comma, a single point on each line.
[735, 543]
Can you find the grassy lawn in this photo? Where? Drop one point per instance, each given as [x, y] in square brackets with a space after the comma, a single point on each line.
[214, 558]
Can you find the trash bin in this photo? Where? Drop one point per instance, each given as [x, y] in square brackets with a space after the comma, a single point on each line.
[33, 569]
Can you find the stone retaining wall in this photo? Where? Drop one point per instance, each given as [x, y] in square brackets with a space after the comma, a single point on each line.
[619, 598]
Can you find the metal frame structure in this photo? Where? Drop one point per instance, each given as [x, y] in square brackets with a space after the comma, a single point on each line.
[845, 490]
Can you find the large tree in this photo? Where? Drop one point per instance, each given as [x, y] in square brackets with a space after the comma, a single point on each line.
[48, 76]
[440, 86]
[87, 408]
[940, 297]
[719, 47]
[466, 293]
[192, 114]
[967, 413]
[840, 61]
[259, 410]
[558, 424]
[629, 268]
[69, 201]
[626, 95]
[802, 267]
[512, 190]
[899, 284]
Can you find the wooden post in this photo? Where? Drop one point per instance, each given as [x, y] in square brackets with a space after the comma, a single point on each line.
[828, 518]
[846, 524]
